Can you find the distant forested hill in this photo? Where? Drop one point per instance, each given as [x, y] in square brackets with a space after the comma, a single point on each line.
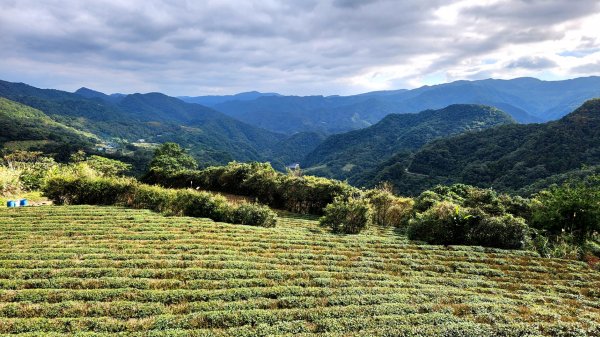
[348, 155]
[507, 158]
[527, 100]
[210, 135]
[25, 128]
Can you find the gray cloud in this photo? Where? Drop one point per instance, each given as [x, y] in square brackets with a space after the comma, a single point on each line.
[530, 62]
[590, 68]
[303, 47]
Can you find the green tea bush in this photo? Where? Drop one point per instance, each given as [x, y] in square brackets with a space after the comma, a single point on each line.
[128, 192]
[349, 216]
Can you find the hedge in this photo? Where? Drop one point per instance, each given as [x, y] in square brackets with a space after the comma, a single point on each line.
[130, 193]
[300, 194]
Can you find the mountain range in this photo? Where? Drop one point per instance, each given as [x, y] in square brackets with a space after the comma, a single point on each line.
[527, 100]
[413, 138]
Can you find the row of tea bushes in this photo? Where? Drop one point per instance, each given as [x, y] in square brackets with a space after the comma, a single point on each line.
[130, 193]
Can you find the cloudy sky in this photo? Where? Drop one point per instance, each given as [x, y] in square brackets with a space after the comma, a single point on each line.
[292, 47]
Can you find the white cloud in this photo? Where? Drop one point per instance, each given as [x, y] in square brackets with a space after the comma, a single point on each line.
[295, 47]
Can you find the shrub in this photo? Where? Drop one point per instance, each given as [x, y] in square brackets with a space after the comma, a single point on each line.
[9, 181]
[447, 223]
[253, 215]
[130, 193]
[444, 223]
[504, 231]
[201, 204]
[153, 198]
[349, 216]
[305, 194]
[573, 208]
[487, 200]
[388, 209]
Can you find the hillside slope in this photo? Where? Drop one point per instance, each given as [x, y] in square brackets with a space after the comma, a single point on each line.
[344, 156]
[107, 271]
[507, 158]
[25, 128]
[211, 136]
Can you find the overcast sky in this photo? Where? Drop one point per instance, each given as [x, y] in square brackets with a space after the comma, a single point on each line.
[292, 47]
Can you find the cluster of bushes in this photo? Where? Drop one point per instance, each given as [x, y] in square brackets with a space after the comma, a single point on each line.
[467, 215]
[130, 193]
[377, 206]
[300, 194]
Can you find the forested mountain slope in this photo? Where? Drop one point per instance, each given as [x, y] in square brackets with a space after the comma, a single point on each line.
[210, 135]
[25, 128]
[507, 158]
[344, 156]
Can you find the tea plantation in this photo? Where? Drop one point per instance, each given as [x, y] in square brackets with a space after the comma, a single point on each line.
[108, 271]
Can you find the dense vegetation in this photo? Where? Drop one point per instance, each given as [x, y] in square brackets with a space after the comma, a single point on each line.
[130, 193]
[25, 128]
[348, 155]
[512, 158]
[110, 271]
[301, 194]
[212, 137]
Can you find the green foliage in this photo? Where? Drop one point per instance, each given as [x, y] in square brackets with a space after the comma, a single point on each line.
[10, 184]
[447, 223]
[510, 158]
[128, 192]
[107, 167]
[170, 157]
[388, 209]
[352, 155]
[253, 214]
[463, 214]
[301, 194]
[349, 216]
[572, 208]
[488, 200]
[37, 131]
[33, 167]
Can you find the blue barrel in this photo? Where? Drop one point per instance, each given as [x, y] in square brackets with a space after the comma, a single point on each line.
[23, 202]
[11, 203]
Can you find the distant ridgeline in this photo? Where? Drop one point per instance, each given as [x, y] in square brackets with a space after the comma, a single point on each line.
[468, 143]
[527, 100]
[511, 158]
[212, 137]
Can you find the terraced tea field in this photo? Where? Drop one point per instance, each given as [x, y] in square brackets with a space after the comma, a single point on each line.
[105, 271]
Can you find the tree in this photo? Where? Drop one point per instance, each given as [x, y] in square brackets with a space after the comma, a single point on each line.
[107, 167]
[573, 207]
[170, 157]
